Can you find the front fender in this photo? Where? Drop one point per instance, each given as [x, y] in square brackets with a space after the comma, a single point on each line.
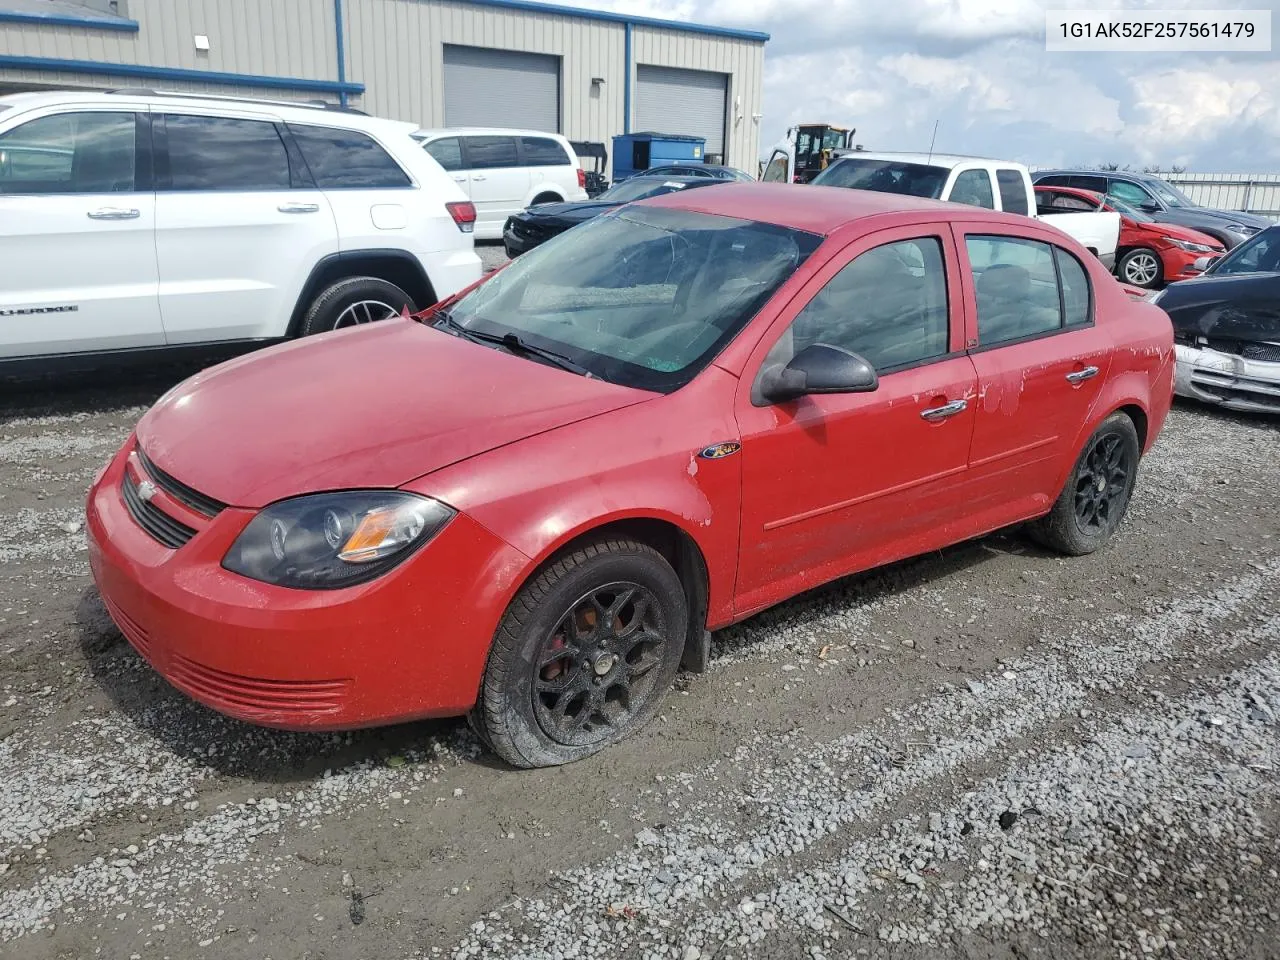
[637, 463]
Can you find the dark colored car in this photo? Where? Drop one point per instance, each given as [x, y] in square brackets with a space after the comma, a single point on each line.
[1163, 201]
[536, 225]
[1226, 327]
[711, 170]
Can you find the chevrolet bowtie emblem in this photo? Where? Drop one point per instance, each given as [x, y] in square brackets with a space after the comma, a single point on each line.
[146, 490]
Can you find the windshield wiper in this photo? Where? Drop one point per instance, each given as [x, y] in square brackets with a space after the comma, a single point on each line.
[513, 343]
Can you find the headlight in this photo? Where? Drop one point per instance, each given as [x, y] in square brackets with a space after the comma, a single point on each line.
[1241, 229]
[1190, 247]
[330, 540]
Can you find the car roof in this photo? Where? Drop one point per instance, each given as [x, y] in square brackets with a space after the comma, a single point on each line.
[290, 111]
[1078, 191]
[437, 132]
[821, 210]
[927, 159]
[666, 178]
[1118, 174]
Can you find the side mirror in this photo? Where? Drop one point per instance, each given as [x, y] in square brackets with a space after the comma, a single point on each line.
[819, 368]
[1150, 206]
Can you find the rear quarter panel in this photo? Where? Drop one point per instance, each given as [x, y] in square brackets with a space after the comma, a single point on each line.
[1142, 365]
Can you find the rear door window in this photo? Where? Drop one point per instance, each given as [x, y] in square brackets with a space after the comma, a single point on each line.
[490, 153]
[1013, 191]
[1016, 287]
[71, 153]
[446, 152]
[974, 188]
[1084, 182]
[347, 159]
[223, 153]
[543, 152]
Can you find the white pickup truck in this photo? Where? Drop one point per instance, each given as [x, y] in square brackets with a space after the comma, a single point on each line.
[994, 184]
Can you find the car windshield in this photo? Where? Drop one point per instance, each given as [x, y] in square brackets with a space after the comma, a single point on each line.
[1130, 211]
[644, 297]
[742, 175]
[1258, 254]
[1170, 194]
[885, 176]
[640, 188]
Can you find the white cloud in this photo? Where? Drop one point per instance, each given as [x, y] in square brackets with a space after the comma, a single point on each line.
[892, 68]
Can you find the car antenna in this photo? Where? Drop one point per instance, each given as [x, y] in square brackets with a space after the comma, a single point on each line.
[933, 139]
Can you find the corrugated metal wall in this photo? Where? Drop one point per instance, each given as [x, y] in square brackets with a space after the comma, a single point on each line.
[284, 38]
[742, 60]
[396, 48]
[1251, 192]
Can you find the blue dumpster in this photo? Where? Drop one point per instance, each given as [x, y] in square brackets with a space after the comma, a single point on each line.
[634, 153]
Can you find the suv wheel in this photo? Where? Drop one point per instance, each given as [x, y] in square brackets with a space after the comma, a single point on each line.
[354, 301]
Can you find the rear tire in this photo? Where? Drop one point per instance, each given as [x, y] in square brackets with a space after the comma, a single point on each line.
[584, 655]
[545, 198]
[1141, 267]
[1093, 503]
[352, 302]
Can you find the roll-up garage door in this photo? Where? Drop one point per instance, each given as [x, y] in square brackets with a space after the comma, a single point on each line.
[688, 102]
[501, 88]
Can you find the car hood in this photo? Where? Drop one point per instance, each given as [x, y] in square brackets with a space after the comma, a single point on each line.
[1179, 231]
[375, 406]
[568, 212]
[1234, 307]
[1208, 217]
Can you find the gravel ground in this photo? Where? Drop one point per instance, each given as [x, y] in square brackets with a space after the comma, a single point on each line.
[989, 752]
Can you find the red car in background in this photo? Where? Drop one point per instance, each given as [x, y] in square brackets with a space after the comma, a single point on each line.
[1149, 253]
[531, 503]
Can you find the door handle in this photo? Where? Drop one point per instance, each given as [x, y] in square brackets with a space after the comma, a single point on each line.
[935, 414]
[299, 208]
[1080, 376]
[114, 213]
[474, 177]
[459, 179]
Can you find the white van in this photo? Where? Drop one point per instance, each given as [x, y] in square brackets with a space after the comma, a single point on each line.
[505, 171]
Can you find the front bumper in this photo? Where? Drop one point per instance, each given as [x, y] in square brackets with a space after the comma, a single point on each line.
[408, 645]
[1251, 386]
[519, 237]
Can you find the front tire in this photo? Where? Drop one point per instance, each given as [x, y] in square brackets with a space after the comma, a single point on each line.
[1141, 267]
[584, 655]
[353, 302]
[1094, 501]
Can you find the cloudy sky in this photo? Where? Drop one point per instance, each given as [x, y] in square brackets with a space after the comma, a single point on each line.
[892, 68]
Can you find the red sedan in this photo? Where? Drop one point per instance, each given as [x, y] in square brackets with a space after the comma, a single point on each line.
[1149, 253]
[531, 503]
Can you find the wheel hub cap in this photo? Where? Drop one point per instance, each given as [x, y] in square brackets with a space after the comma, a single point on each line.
[599, 666]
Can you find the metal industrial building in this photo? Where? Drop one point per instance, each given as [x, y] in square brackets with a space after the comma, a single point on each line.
[582, 73]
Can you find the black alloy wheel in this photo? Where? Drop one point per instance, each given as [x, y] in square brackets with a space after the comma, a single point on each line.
[599, 665]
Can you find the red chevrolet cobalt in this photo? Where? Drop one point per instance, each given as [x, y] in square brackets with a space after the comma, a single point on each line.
[530, 504]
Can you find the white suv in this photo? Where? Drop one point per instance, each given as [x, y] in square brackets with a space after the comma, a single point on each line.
[132, 221]
[505, 171]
